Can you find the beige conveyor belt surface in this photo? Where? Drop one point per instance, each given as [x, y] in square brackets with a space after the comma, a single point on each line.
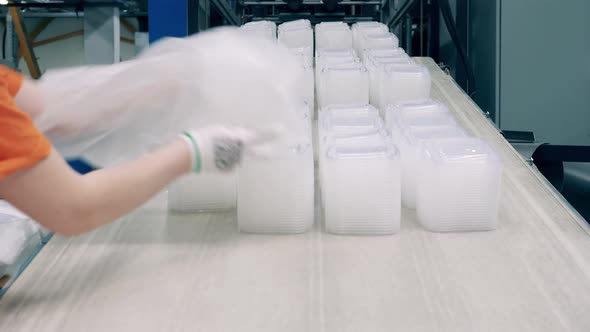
[157, 272]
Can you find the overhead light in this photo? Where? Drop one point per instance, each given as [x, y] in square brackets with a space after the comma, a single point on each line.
[3, 2]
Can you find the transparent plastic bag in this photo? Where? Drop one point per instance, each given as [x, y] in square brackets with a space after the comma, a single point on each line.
[111, 114]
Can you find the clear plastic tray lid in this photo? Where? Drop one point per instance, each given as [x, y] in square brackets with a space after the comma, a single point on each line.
[386, 52]
[344, 67]
[361, 109]
[331, 24]
[382, 62]
[295, 24]
[376, 152]
[407, 70]
[341, 62]
[379, 136]
[420, 105]
[461, 151]
[260, 23]
[418, 134]
[348, 52]
[410, 119]
[383, 39]
[402, 60]
[367, 24]
[325, 26]
[349, 123]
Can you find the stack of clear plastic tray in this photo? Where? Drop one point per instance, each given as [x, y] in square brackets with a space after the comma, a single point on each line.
[296, 34]
[264, 29]
[379, 40]
[340, 85]
[376, 65]
[411, 145]
[304, 55]
[384, 53]
[333, 35]
[405, 82]
[361, 190]
[348, 125]
[428, 112]
[277, 195]
[362, 28]
[203, 193]
[459, 186]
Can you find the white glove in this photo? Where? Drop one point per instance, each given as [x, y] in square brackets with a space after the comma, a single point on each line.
[220, 148]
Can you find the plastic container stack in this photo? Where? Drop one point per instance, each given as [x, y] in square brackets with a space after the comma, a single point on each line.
[333, 36]
[296, 34]
[363, 34]
[305, 58]
[459, 186]
[419, 155]
[353, 142]
[404, 82]
[429, 112]
[203, 193]
[277, 195]
[341, 79]
[264, 29]
[376, 60]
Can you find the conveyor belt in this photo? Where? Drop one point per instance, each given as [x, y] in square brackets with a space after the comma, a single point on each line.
[155, 272]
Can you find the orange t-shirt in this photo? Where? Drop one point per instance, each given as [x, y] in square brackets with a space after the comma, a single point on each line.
[21, 143]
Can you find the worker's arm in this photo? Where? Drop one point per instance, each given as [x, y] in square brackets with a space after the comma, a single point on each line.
[68, 203]
[29, 98]
[25, 91]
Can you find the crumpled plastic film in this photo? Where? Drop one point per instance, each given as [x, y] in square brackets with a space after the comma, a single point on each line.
[111, 114]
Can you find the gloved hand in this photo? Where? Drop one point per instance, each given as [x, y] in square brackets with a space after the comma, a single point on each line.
[220, 148]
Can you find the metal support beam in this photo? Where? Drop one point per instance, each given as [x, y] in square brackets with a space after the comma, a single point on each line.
[102, 35]
[226, 12]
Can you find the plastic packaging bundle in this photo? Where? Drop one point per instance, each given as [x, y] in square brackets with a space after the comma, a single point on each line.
[404, 83]
[277, 196]
[411, 145]
[361, 190]
[203, 193]
[459, 187]
[174, 85]
[333, 35]
[343, 85]
[264, 29]
[296, 34]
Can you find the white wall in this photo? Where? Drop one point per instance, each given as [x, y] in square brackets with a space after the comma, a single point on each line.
[68, 52]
